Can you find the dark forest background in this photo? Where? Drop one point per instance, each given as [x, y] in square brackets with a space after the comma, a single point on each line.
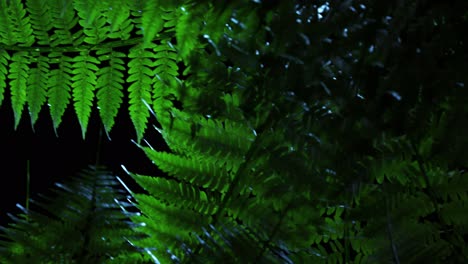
[54, 158]
[357, 111]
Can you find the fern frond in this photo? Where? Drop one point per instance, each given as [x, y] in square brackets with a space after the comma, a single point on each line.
[140, 71]
[7, 29]
[166, 227]
[41, 20]
[15, 14]
[198, 172]
[165, 72]
[181, 194]
[117, 15]
[109, 85]
[83, 85]
[64, 19]
[213, 139]
[151, 22]
[59, 87]
[4, 58]
[86, 212]
[37, 86]
[19, 73]
[187, 31]
[92, 20]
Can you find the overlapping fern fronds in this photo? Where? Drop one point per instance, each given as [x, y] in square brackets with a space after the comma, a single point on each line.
[81, 48]
[263, 170]
[80, 222]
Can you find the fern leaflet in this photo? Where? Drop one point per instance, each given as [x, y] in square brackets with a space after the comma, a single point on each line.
[41, 20]
[64, 19]
[84, 82]
[117, 15]
[59, 87]
[140, 90]
[22, 31]
[109, 85]
[92, 20]
[37, 86]
[4, 57]
[19, 71]
[151, 21]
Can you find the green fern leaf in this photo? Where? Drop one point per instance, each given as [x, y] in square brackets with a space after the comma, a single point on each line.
[92, 20]
[59, 87]
[117, 16]
[84, 83]
[199, 172]
[152, 21]
[136, 11]
[41, 20]
[7, 28]
[187, 31]
[178, 194]
[4, 57]
[165, 73]
[64, 19]
[22, 32]
[166, 226]
[37, 87]
[109, 85]
[19, 73]
[86, 211]
[140, 90]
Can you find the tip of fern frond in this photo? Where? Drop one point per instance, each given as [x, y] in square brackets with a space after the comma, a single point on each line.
[16, 124]
[125, 169]
[55, 130]
[136, 143]
[158, 129]
[148, 144]
[83, 131]
[107, 134]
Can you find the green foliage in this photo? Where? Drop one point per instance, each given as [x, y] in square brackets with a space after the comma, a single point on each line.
[81, 222]
[18, 78]
[109, 85]
[338, 140]
[59, 87]
[284, 151]
[66, 41]
[37, 87]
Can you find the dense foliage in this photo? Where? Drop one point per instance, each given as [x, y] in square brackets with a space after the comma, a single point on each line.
[323, 132]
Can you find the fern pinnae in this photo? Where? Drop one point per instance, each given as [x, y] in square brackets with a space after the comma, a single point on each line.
[58, 95]
[117, 16]
[178, 193]
[151, 21]
[187, 31]
[166, 69]
[83, 86]
[41, 20]
[141, 72]
[64, 19]
[37, 86]
[195, 170]
[6, 27]
[21, 23]
[19, 71]
[92, 19]
[4, 58]
[109, 86]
